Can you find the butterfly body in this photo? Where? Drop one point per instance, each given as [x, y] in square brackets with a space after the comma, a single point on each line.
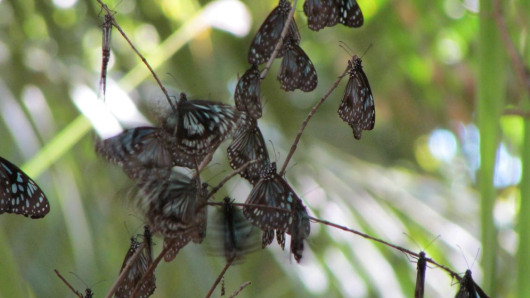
[420, 277]
[357, 107]
[297, 71]
[19, 194]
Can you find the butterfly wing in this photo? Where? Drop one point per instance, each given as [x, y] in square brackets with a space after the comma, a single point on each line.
[19, 194]
[318, 12]
[420, 277]
[269, 34]
[137, 270]
[467, 287]
[350, 13]
[248, 145]
[297, 70]
[248, 93]
[200, 125]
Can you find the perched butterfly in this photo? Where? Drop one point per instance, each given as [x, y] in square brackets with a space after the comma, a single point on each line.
[299, 230]
[277, 198]
[88, 293]
[248, 145]
[357, 107]
[105, 51]
[468, 288]
[175, 206]
[231, 233]
[139, 267]
[322, 13]
[420, 277]
[19, 194]
[143, 148]
[200, 125]
[297, 70]
[269, 34]
[248, 93]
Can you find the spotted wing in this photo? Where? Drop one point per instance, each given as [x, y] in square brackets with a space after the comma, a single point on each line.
[19, 194]
[350, 13]
[297, 70]
[248, 93]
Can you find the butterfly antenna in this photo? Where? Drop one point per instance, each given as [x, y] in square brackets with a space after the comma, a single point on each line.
[367, 48]
[462, 252]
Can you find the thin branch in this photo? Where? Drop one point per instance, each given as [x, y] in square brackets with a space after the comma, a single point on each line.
[225, 179]
[515, 57]
[68, 284]
[280, 42]
[216, 282]
[304, 124]
[125, 270]
[115, 24]
[243, 286]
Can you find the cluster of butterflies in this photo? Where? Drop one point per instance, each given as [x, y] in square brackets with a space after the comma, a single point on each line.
[297, 71]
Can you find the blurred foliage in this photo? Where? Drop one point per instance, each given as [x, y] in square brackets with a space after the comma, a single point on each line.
[422, 71]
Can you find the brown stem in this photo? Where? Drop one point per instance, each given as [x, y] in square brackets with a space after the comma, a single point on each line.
[280, 42]
[68, 284]
[225, 179]
[304, 124]
[218, 279]
[115, 24]
[243, 286]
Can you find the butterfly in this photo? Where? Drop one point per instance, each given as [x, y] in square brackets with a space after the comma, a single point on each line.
[248, 93]
[19, 194]
[145, 147]
[200, 125]
[299, 230]
[420, 277]
[248, 145]
[468, 288]
[357, 107]
[231, 233]
[269, 34]
[105, 50]
[277, 199]
[297, 70]
[175, 205]
[322, 13]
[138, 269]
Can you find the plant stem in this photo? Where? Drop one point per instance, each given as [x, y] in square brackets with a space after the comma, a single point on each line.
[490, 103]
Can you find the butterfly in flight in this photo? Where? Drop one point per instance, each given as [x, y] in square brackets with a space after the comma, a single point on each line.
[175, 205]
[138, 269]
[232, 232]
[269, 34]
[145, 147]
[297, 70]
[248, 145]
[19, 194]
[248, 93]
[357, 107]
[200, 125]
[327, 13]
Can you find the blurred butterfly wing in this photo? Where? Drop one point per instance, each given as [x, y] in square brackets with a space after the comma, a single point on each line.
[248, 93]
[299, 230]
[267, 238]
[248, 145]
[203, 125]
[19, 194]
[350, 13]
[297, 70]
